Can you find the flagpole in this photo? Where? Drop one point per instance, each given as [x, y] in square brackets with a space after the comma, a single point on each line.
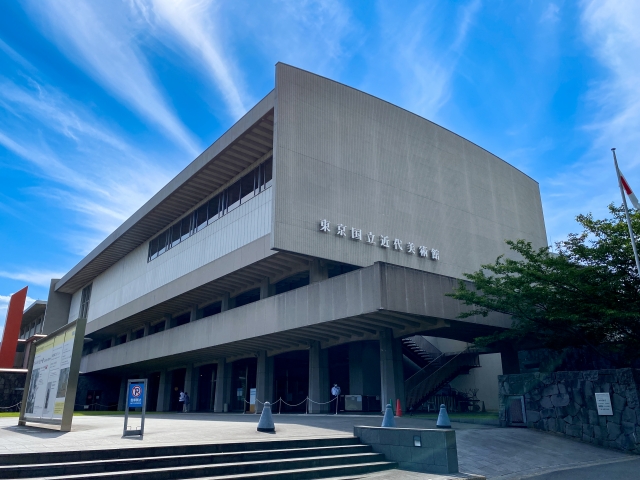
[626, 211]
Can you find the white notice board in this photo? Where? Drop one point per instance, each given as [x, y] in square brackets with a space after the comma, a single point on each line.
[603, 403]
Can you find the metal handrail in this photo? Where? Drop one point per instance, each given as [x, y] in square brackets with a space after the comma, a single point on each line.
[467, 350]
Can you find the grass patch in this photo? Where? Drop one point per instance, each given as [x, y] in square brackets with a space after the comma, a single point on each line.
[462, 416]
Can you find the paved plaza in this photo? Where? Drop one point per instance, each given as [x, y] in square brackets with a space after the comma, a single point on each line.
[497, 453]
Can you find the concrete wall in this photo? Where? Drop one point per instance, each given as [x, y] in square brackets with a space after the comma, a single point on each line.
[485, 379]
[564, 403]
[348, 157]
[133, 277]
[437, 452]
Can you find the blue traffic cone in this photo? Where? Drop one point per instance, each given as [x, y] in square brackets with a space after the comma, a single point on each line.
[443, 418]
[388, 420]
[266, 420]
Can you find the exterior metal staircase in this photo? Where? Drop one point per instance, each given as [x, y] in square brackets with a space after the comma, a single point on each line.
[439, 372]
[419, 350]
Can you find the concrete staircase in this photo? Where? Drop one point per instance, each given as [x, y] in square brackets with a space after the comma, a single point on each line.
[277, 459]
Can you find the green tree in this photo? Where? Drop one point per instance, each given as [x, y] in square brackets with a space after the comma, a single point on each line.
[585, 294]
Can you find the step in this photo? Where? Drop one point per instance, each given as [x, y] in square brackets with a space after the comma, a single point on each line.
[336, 462]
[343, 472]
[171, 450]
[117, 465]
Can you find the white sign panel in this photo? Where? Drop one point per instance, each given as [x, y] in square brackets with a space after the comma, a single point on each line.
[50, 377]
[603, 403]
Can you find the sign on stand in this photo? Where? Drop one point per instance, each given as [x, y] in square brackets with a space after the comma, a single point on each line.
[603, 403]
[136, 398]
[52, 378]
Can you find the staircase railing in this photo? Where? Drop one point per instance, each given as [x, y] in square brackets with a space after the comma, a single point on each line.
[418, 391]
[423, 373]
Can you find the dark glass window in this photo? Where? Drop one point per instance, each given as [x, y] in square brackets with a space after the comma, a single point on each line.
[163, 241]
[85, 298]
[158, 327]
[201, 218]
[233, 196]
[183, 319]
[247, 186]
[268, 172]
[138, 334]
[175, 235]
[214, 208]
[185, 229]
[153, 248]
[211, 309]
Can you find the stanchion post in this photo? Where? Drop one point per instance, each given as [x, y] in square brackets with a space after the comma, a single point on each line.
[280, 406]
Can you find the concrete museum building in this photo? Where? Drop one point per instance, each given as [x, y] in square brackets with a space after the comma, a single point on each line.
[310, 245]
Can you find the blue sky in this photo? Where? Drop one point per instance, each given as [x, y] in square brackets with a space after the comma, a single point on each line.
[102, 102]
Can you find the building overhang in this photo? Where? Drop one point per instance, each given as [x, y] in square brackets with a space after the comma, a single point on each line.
[351, 307]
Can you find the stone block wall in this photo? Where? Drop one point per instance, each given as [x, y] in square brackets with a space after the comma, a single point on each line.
[437, 451]
[564, 403]
[11, 387]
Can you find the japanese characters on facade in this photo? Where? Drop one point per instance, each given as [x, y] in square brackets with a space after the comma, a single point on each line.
[383, 241]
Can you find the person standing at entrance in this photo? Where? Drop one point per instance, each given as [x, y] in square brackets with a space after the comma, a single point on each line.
[186, 402]
[181, 400]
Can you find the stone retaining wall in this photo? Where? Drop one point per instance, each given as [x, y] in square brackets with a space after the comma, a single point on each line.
[564, 403]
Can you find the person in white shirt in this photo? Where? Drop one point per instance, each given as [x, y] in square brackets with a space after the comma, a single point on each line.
[181, 400]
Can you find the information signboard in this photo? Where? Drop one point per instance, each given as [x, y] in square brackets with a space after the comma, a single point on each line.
[603, 404]
[52, 379]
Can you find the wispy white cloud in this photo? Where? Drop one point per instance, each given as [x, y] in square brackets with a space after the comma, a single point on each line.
[423, 53]
[91, 169]
[32, 277]
[612, 120]
[194, 24]
[99, 39]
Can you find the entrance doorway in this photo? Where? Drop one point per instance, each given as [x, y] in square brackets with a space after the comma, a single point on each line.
[243, 381]
[152, 394]
[291, 373]
[206, 388]
[177, 385]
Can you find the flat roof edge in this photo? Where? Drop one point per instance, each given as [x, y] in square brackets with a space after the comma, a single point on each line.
[254, 114]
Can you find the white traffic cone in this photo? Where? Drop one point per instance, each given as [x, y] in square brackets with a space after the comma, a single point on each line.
[266, 420]
[388, 420]
[443, 418]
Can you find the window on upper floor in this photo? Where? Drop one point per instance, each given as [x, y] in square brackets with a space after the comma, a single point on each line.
[85, 298]
[250, 185]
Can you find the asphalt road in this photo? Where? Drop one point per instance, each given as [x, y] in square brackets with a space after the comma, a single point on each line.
[624, 470]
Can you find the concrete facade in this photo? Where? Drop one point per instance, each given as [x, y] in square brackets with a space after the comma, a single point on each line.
[261, 302]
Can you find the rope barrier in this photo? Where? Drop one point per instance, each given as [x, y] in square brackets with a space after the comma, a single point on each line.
[281, 401]
[12, 406]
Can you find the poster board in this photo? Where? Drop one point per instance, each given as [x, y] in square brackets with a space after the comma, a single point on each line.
[603, 403]
[52, 378]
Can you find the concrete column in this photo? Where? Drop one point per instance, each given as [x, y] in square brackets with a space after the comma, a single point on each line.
[123, 394]
[391, 375]
[129, 336]
[223, 378]
[164, 392]
[510, 362]
[224, 304]
[266, 289]
[213, 389]
[169, 322]
[147, 326]
[319, 390]
[113, 341]
[58, 309]
[194, 313]
[195, 387]
[188, 383]
[264, 380]
[318, 271]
